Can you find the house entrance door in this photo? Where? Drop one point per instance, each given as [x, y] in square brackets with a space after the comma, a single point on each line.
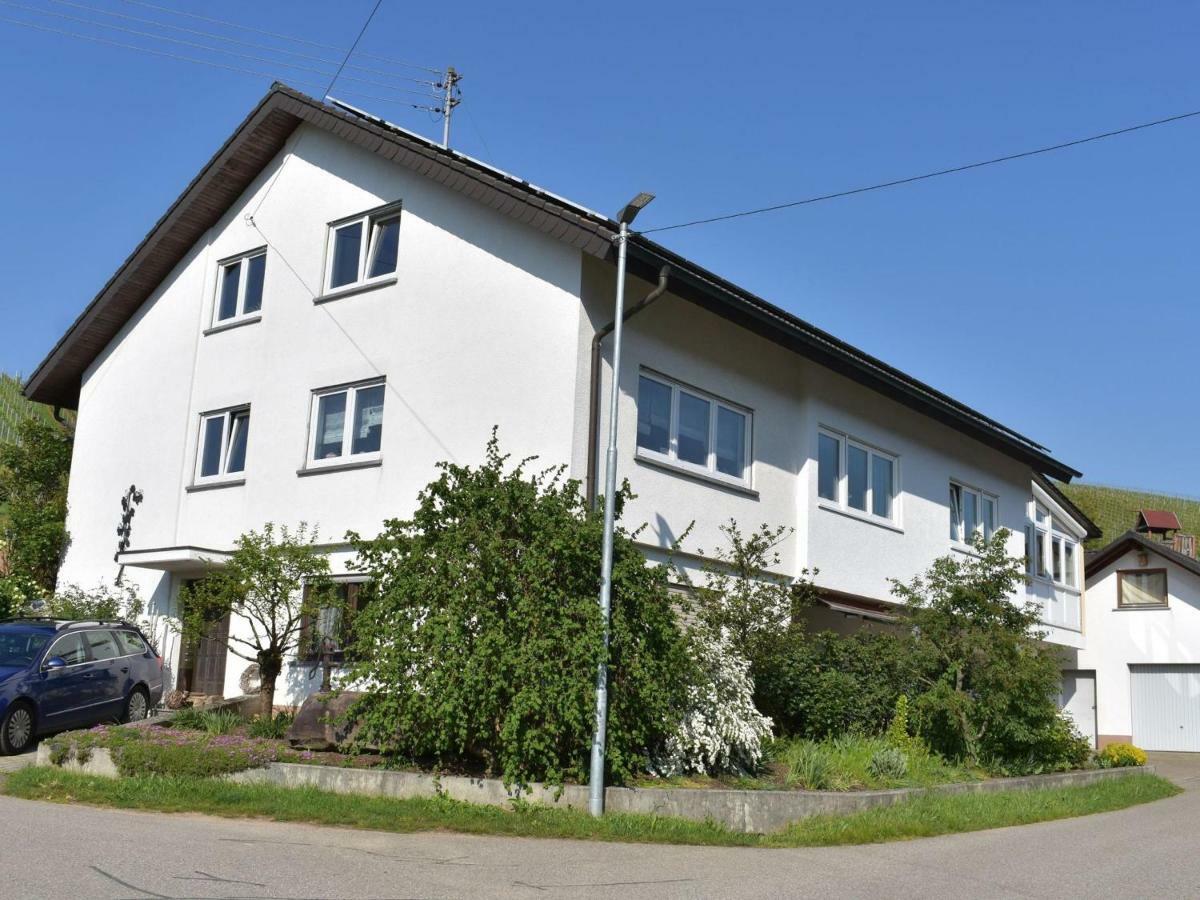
[202, 665]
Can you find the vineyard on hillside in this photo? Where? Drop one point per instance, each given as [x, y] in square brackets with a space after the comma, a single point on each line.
[1115, 509]
[14, 408]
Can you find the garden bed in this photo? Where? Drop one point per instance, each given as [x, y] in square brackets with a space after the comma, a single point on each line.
[752, 811]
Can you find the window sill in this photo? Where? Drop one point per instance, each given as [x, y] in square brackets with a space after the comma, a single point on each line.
[214, 485]
[673, 469]
[1061, 627]
[1147, 608]
[340, 467]
[233, 323]
[966, 550]
[865, 518]
[351, 290]
[1046, 582]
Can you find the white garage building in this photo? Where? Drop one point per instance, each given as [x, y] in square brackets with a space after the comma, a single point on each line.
[1140, 669]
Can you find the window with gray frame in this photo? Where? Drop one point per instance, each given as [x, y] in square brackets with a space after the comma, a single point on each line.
[363, 248]
[224, 437]
[240, 286]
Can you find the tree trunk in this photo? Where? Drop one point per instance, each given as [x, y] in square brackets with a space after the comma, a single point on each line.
[269, 666]
[266, 696]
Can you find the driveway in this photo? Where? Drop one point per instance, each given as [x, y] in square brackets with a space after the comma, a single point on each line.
[65, 851]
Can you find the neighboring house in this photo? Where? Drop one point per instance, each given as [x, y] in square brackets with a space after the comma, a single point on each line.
[335, 304]
[1138, 679]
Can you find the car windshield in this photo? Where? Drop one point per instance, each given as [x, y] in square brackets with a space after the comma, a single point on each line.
[19, 647]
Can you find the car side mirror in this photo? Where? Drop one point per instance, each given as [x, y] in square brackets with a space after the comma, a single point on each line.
[54, 663]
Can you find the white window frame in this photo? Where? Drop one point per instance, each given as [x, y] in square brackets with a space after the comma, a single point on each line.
[842, 504]
[228, 415]
[346, 457]
[671, 457]
[370, 220]
[240, 314]
[1043, 527]
[960, 538]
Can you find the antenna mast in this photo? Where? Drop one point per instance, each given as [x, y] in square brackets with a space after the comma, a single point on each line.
[453, 96]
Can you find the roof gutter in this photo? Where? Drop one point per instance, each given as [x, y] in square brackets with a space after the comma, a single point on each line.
[593, 462]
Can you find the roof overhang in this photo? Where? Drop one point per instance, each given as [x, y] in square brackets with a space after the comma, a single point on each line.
[263, 134]
[1131, 540]
[56, 381]
[1060, 504]
[183, 560]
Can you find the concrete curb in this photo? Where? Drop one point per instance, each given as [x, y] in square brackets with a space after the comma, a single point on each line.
[749, 811]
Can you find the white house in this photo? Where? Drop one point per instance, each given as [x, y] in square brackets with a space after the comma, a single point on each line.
[1138, 678]
[335, 304]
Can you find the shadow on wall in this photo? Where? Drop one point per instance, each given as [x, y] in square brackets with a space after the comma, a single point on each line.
[160, 609]
[297, 681]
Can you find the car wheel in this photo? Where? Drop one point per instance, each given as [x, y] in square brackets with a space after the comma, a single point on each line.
[16, 731]
[137, 706]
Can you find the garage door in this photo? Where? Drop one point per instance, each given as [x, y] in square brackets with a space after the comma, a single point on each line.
[1166, 706]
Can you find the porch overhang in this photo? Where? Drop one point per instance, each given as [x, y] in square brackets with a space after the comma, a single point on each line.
[850, 605]
[182, 560]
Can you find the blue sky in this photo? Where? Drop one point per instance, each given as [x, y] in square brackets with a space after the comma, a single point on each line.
[1055, 294]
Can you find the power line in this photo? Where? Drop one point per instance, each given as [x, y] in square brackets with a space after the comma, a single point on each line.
[353, 47]
[230, 40]
[233, 53]
[899, 181]
[278, 172]
[202, 62]
[283, 37]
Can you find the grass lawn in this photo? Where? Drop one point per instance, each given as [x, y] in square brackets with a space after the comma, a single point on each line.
[922, 817]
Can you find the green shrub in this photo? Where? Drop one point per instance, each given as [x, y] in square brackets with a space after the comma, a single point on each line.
[220, 721]
[899, 734]
[888, 764]
[275, 726]
[483, 633]
[989, 685]
[1116, 756]
[188, 719]
[824, 684]
[808, 766]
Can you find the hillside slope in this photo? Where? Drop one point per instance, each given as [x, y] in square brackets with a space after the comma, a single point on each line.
[1115, 509]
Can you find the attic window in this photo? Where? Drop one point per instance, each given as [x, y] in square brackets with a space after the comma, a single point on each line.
[240, 286]
[363, 249]
[1142, 589]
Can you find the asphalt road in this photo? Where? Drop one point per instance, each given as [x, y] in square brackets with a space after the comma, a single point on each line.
[66, 851]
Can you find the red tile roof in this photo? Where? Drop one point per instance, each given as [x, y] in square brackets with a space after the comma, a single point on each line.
[1158, 520]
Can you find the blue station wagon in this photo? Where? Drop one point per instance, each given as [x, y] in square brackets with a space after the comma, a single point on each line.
[56, 675]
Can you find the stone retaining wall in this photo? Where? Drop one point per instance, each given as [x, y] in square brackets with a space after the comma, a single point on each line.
[749, 811]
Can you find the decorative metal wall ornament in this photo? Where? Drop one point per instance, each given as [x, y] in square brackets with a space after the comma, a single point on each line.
[129, 504]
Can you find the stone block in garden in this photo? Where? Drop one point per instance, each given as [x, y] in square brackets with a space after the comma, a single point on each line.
[320, 723]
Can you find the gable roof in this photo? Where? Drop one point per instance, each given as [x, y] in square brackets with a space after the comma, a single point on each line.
[1131, 540]
[262, 135]
[1157, 520]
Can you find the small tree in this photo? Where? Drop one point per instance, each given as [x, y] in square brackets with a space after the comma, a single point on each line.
[482, 634]
[104, 602]
[742, 597]
[990, 684]
[274, 580]
[33, 496]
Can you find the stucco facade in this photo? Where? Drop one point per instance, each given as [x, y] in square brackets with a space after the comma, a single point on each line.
[487, 323]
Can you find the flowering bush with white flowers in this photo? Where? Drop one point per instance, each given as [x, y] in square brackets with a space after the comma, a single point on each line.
[721, 730]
